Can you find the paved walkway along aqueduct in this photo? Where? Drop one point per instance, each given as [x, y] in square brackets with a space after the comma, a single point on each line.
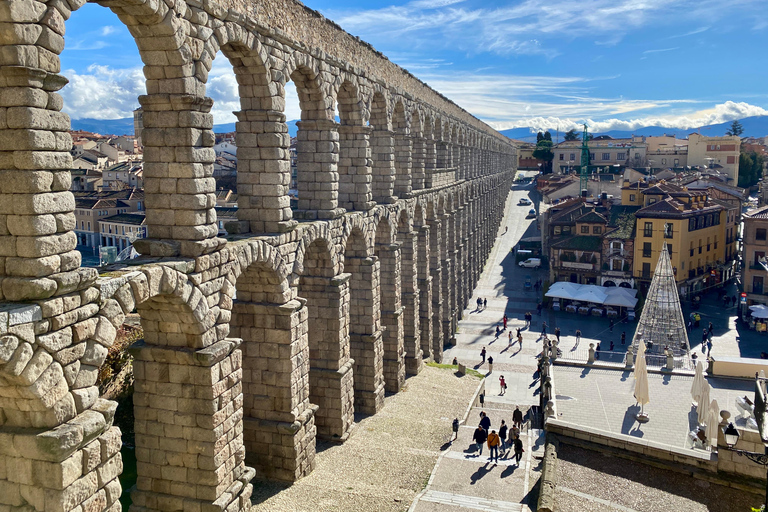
[255, 345]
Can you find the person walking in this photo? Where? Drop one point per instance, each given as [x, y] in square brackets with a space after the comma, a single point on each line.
[479, 303]
[543, 329]
[518, 444]
[623, 337]
[703, 340]
[709, 328]
[509, 344]
[490, 364]
[520, 340]
[503, 436]
[539, 306]
[485, 303]
[517, 417]
[597, 350]
[482, 354]
[610, 347]
[557, 334]
[578, 336]
[690, 326]
[481, 399]
[493, 446]
[479, 438]
[518, 331]
[528, 317]
[502, 385]
[485, 421]
[455, 428]
[733, 300]
[505, 321]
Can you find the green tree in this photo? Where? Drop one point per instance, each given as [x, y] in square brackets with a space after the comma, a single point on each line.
[539, 137]
[750, 169]
[571, 135]
[547, 135]
[544, 152]
[735, 129]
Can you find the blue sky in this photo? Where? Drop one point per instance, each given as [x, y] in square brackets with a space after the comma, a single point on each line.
[618, 64]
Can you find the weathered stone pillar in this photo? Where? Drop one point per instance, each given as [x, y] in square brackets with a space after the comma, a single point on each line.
[383, 153]
[263, 172]
[449, 281]
[410, 302]
[392, 317]
[403, 162]
[438, 307]
[189, 430]
[425, 292]
[365, 337]
[317, 171]
[418, 157]
[178, 176]
[279, 421]
[355, 178]
[331, 384]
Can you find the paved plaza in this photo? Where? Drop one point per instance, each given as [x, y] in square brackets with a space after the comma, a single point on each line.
[603, 399]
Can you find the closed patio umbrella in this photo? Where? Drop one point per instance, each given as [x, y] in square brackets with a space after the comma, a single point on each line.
[703, 410]
[713, 422]
[697, 388]
[641, 382]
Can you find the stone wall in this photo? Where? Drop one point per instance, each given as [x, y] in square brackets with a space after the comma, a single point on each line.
[257, 344]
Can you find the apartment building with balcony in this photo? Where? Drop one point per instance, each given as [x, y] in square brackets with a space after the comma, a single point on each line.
[694, 230]
[754, 250]
[604, 152]
[720, 153]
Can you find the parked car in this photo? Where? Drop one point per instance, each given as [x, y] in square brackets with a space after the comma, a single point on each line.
[524, 201]
[531, 213]
[531, 263]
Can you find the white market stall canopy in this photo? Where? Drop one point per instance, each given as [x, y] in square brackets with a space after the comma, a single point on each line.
[608, 296]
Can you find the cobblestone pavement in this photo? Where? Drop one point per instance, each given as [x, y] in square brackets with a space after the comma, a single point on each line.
[595, 482]
[604, 399]
[387, 459]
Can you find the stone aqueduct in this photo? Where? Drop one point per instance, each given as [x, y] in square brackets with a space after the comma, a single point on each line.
[255, 345]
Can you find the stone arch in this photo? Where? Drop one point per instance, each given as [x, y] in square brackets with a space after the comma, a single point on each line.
[357, 223]
[326, 293]
[317, 146]
[320, 234]
[419, 150]
[382, 148]
[403, 146]
[276, 406]
[407, 239]
[365, 333]
[355, 192]
[388, 253]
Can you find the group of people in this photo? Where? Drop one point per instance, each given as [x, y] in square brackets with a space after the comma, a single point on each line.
[481, 303]
[502, 441]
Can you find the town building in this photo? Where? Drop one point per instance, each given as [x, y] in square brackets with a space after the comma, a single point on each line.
[127, 174]
[605, 153]
[122, 229]
[85, 180]
[721, 153]
[693, 229]
[754, 249]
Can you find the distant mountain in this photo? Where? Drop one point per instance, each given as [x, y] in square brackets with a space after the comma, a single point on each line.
[125, 126]
[755, 126]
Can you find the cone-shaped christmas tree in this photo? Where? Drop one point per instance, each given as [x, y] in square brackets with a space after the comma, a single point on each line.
[661, 323]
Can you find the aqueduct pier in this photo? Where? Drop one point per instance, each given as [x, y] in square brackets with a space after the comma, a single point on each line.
[257, 344]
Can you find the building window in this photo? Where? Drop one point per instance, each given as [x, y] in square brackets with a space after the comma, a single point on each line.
[562, 156]
[646, 270]
[606, 156]
[668, 230]
[566, 230]
[663, 161]
[591, 156]
[596, 230]
[573, 156]
[648, 229]
[621, 156]
[760, 234]
[617, 265]
[677, 164]
[585, 229]
[647, 250]
[691, 224]
[89, 226]
[632, 197]
[557, 230]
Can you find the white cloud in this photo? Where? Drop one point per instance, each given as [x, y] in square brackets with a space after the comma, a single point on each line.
[721, 113]
[103, 92]
[107, 30]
